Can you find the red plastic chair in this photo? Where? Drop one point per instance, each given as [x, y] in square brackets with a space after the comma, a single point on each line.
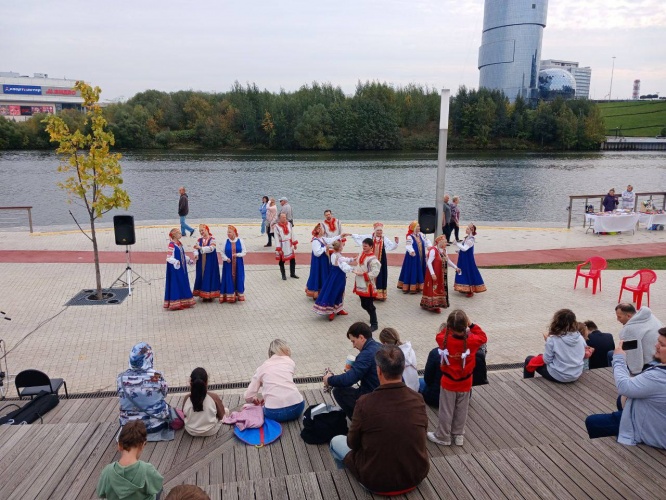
[647, 277]
[597, 264]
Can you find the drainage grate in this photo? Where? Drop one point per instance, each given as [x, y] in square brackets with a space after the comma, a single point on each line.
[87, 297]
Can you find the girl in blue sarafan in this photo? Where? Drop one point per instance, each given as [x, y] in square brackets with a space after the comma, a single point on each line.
[320, 264]
[142, 390]
[207, 281]
[412, 274]
[232, 287]
[177, 293]
[469, 281]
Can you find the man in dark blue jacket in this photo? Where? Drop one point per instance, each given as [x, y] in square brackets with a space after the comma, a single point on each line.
[364, 370]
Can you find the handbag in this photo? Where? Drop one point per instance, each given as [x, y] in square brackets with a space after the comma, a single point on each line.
[328, 421]
[176, 418]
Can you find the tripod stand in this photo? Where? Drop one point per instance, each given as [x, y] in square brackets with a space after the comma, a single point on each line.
[128, 282]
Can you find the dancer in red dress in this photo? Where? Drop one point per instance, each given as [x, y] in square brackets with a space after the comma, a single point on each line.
[436, 287]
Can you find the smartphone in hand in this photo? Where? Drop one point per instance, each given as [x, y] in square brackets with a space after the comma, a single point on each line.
[629, 345]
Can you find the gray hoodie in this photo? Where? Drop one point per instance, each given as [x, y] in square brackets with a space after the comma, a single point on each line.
[643, 326]
[564, 355]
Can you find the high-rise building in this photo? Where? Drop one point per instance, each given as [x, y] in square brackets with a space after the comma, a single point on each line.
[581, 75]
[511, 46]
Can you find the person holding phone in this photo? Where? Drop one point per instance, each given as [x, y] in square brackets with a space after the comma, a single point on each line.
[643, 417]
[641, 326]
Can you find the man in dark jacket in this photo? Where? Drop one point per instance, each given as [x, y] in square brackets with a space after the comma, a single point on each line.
[386, 445]
[446, 218]
[183, 210]
[364, 370]
[602, 343]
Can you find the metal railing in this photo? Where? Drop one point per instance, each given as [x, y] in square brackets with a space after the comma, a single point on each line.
[637, 203]
[29, 209]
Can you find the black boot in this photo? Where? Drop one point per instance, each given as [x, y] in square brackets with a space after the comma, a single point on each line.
[373, 320]
[292, 268]
[284, 273]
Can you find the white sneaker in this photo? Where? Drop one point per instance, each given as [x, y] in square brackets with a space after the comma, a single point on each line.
[458, 440]
[431, 437]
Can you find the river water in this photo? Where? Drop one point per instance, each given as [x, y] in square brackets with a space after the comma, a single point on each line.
[513, 187]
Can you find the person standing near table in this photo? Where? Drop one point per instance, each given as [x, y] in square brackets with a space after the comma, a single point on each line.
[183, 211]
[286, 210]
[285, 246]
[629, 198]
[610, 201]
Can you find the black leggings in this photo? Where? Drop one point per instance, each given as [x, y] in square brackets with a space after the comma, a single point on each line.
[368, 303]
[541, 370]
[270, 237]
[454, 229]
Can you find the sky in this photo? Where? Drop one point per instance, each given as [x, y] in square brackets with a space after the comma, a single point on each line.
[128, 47]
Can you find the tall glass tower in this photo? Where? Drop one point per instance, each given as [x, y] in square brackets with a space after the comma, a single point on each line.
[510, 49]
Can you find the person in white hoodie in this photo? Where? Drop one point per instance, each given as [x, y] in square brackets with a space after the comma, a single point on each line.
[562, 358]
[642, 326]
[390, 336]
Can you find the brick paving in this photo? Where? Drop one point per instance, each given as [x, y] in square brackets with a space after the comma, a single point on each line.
[89, 345]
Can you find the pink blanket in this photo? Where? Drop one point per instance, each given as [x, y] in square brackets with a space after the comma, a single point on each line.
[250, 417]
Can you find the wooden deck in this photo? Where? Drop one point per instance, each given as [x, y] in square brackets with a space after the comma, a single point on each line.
[524, 439]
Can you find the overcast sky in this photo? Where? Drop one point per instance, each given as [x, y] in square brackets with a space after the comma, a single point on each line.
[127, 47]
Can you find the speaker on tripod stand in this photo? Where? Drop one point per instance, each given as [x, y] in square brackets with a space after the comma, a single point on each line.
[123, 229]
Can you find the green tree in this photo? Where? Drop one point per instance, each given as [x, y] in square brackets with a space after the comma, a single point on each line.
[95, 175]
[314, 130]
[11, 135]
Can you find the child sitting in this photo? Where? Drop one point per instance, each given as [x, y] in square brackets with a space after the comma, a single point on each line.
[458, 341]
[129, 477]
[390, 336]
[203, 410]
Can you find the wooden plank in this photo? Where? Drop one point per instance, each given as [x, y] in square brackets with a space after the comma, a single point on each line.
[246, 490]
[240, 455]
[600, 483]
[484, 421]
[472, 467]
[467, 477]
[14, 434]
[215, 470]
[342, 484]
[631, 455]
[88, 483]
[266, 461]
[229, 491]
[171, 449]
[511, 487]
[438, 483]
[278, 487]
[311, 486]
[292, 432]
[451, 478]
[426, 491]
[81, 472]
[72, 409]
[279, 462]
[543, 467]
[294, 487]
[630, 481]
[70, 461]
[521, 470]
[23, 451]
[103, 409]
[327, 486]
[262, 489]
[359, 491]
[254, 462]
[229, 465]
[214, 491]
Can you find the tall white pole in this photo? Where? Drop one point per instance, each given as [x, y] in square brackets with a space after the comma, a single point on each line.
[610, 92]
[441, 157]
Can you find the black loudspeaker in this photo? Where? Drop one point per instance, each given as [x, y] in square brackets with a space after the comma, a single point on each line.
[428, 219]
[123, 228]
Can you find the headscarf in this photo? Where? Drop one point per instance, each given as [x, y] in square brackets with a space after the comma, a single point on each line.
[141, 357]
[173, 231]
[377, 225]
[439, 238]
[412, 226]
[233, 228]
[315, 231]
[206, 228]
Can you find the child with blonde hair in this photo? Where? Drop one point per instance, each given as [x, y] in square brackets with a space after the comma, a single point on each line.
[390, 336]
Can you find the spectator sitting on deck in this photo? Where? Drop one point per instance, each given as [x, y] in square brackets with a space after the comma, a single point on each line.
[642, 326]
[602, 343]
[643, 419]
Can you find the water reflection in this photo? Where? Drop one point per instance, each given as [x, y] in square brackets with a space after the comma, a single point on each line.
[357, 186]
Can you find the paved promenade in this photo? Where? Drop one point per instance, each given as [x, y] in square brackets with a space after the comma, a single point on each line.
[89, 345]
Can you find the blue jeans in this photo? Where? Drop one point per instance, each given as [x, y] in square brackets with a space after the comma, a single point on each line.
[184, 227]
[339, 450]
[263, 226]
[422, 385]
[285, 414]
[603, 425]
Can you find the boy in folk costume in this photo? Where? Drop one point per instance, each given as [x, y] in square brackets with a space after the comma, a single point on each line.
[366, 271]
[286, 245]
[382, 244]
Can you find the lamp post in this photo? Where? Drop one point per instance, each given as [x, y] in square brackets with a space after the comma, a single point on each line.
[611, 85]
[441, 157]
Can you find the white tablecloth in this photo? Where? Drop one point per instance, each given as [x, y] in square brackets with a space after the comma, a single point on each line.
[613, 223]
[649, 219]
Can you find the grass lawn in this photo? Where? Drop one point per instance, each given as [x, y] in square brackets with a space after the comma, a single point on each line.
[654, 263]
[635, 119]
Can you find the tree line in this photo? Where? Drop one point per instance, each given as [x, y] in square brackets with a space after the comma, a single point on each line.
[378, 116]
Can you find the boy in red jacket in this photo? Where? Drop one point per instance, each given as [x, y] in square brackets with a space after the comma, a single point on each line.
[458, 342]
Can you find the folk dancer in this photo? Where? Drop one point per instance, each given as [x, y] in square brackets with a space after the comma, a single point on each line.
[468, 280]
[382, 244]
[177, 293]
[207, 281]
[332, 227]
[285, 247]
[332, 295]
[366, 271]
[232, 286]
[436, 288]
[320, 265]
[413, 266]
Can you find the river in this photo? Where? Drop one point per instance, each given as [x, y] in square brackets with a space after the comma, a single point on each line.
[513, 187]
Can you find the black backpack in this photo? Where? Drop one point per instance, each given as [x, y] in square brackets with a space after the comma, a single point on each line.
[324, 426]
[35, 409]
